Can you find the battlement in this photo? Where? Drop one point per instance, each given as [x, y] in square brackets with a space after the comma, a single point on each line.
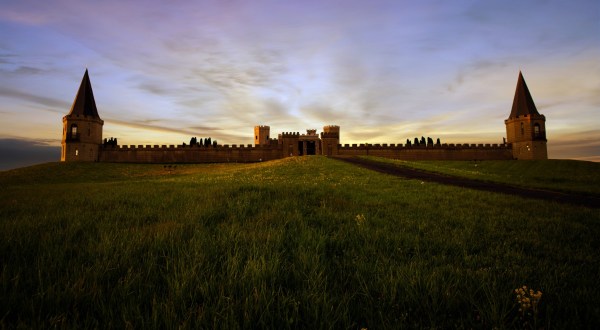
[433, 152]
[263, 126]
[290, 134]
[482, 146]
[186, 147]
[82, 117]
[331, 129]
[311, 132]
[530, 116]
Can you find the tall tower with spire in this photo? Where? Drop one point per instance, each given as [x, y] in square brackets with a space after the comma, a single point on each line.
[525, 127]
[82, 127]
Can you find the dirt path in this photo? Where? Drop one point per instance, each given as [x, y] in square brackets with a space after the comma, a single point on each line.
[411, 173]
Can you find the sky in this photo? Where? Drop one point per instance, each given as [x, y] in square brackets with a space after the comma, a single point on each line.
[385, 71]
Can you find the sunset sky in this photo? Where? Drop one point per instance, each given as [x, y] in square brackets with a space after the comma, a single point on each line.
[385, 71]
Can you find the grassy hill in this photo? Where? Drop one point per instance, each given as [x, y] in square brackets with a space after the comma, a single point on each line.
[562, 175]
[294, 243]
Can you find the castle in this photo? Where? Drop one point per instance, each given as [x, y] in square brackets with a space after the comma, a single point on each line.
[82, 140]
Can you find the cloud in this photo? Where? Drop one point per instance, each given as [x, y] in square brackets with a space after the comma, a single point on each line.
[32, 98]
[154, 88]
[577, 145]
[24, 152]
[27, 70]
[214, 132]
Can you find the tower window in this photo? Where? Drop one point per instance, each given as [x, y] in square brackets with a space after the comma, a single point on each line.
[522, 129]
[74, 129]
[536, 130]
[76, 152]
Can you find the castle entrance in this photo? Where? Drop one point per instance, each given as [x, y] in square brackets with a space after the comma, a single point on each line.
[310, 147]
[307, 148]
[309, 143]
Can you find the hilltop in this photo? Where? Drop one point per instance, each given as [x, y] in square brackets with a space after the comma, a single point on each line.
[292, 243]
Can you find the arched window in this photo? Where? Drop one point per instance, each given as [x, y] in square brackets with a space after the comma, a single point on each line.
[536, 130]
[76, 152]
[522, 129]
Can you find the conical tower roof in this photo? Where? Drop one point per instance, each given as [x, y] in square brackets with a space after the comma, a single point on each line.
[84, 103]
[523, 102]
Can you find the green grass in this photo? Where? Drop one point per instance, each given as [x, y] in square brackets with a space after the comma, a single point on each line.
[562, 175]
[296, 243]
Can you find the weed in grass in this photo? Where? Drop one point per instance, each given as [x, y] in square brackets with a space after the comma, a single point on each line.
[528, 302]
[360, 220]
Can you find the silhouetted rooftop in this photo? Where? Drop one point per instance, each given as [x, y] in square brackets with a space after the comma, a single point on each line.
[84, 103]
[523, 102]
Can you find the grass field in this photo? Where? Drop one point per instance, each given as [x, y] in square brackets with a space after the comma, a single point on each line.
[562, 175]
[296, 243]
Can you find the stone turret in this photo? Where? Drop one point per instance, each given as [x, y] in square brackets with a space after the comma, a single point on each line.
[261, 135]
[330, 140]
[526, 127]
[82, 127]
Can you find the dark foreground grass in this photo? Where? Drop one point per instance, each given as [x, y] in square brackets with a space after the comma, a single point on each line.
[297, 243]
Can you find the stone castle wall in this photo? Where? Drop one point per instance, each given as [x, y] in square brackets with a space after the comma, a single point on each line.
[440, 152]
[249, 153]
[188, 154]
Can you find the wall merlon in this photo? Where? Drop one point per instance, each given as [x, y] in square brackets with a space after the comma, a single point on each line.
[290, 134]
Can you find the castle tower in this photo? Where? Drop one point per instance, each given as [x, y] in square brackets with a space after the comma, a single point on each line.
[330, 139]
[525, 127]
[82, 127]
[261, 135]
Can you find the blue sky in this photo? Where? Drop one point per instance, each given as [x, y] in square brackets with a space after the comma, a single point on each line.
[385, 71]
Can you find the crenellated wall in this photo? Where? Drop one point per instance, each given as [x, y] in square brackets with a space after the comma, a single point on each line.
[439, 152]
[249, 153]
[289, 143]
[189, 154]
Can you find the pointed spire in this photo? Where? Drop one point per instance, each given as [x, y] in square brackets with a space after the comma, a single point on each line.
[84, 103]
[523, 102]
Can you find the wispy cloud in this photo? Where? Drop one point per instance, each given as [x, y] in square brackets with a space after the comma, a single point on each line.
[48, 102]
[577, 145]
[186, 131]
